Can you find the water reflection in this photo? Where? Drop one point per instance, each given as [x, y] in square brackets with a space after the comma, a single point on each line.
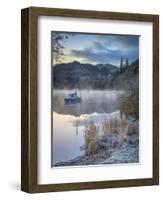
[69, 121]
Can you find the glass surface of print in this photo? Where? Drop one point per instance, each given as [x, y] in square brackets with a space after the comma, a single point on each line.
[95, 99]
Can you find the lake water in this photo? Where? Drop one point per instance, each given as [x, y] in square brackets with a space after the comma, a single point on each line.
[69, 121]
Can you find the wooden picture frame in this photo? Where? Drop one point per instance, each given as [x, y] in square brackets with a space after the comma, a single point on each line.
[29, 134]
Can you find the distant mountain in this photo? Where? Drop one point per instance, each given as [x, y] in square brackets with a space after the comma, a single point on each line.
[100, 76]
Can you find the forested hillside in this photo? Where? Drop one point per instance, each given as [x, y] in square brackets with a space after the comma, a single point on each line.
[88, 76]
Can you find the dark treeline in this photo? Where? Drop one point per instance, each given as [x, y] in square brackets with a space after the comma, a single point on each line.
[88, 76]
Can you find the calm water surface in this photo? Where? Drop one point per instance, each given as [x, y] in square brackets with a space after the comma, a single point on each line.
[69, 120]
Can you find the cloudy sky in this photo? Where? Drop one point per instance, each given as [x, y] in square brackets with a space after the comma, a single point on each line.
[100, 48]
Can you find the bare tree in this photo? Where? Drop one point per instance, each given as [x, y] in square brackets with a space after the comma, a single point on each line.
[57, 46]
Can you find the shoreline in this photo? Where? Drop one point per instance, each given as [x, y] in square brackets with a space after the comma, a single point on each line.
[125, 152]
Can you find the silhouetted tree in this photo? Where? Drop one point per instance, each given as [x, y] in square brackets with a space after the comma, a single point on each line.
[127, 63]
[57, 47]
[121, 64]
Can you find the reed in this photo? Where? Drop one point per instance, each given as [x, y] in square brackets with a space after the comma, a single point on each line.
[91, 139]
[115, 125]
[96, 135]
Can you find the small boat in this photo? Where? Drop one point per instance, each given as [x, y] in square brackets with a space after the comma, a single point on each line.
[72, 98]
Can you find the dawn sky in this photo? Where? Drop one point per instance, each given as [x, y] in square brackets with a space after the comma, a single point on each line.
[99, 48]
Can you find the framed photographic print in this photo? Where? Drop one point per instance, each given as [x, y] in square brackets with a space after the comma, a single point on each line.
[90, 99]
